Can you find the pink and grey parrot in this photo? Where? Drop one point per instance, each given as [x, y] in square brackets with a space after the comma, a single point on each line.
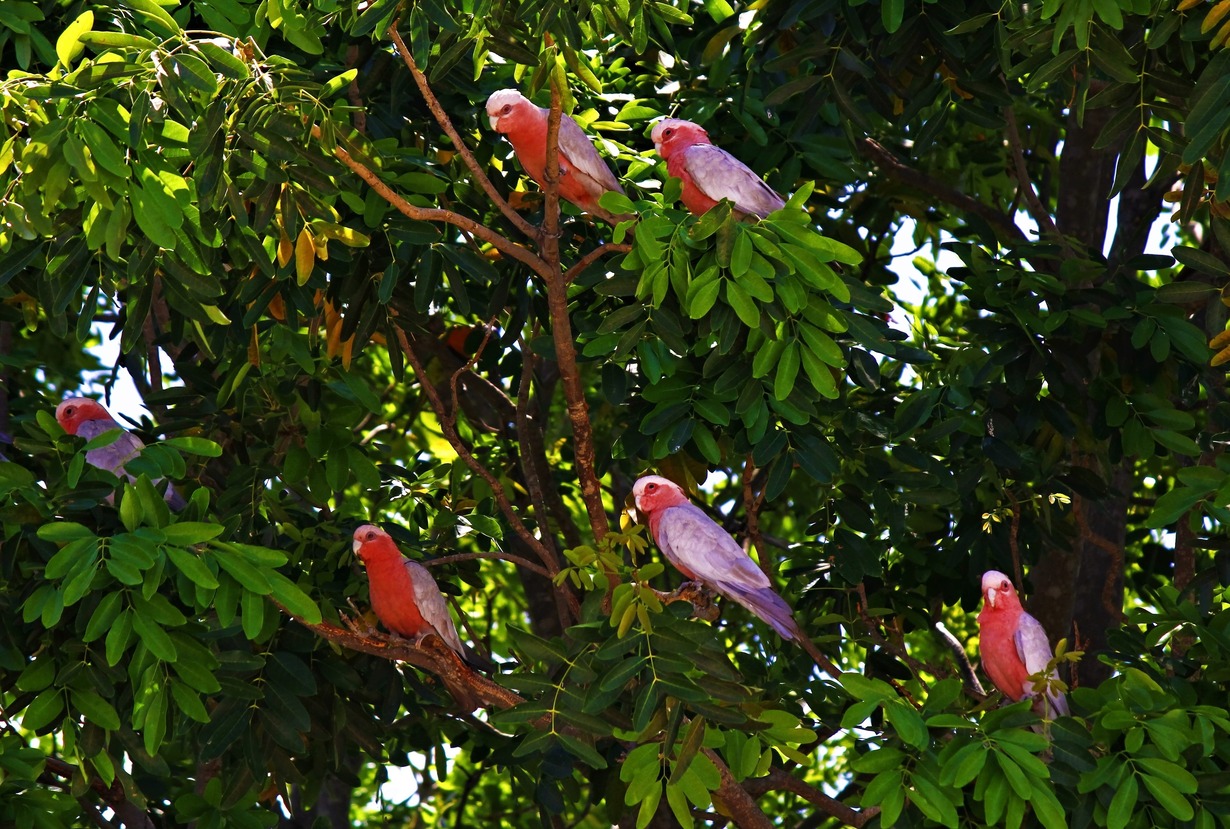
[709, 173]
[86, 418]
[404, 595]
[701, 550]
[584, 176]
[1013, 646]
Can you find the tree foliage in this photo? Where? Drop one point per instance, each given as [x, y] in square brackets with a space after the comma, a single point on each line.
[342, 302]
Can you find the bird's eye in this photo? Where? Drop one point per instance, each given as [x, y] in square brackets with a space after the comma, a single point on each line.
[70, 410]
[507, 109]
[1004, 586]
[371, 536]
[668, 133]
[651, 487]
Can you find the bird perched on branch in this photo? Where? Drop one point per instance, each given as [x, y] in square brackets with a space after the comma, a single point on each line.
[87, 418]
[583, 175]
[1014, 647]
[404, 595]
[703, 551]
[709, 173]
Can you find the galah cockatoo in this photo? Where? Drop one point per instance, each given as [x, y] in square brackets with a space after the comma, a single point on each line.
[1013, 646]
[701, 550]
[86, 418]
[710, 174]
[584, 176]
[404, 595]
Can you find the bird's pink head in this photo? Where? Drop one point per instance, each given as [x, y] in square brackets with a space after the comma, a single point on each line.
[653, 492]
[508, 110]
[670, 135]
[371, 542]
[998, 592]
[77, 410]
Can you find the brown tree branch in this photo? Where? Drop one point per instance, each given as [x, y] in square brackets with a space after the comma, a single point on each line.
[751, 508]
[447, 125]
[517, 560]
[436, 214]
[468, 688]
[448, 427]
[565, 345]
[778, 779]
[592, 257]
[1033, 204]
[737, 800]
[904, 174]
[968, 677]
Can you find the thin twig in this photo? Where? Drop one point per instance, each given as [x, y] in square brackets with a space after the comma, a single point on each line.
[448, 427]
[592, 257]
[1026, 187]
[517, 560]
[751, 508]
[447, 125]
[937, 189]
[778, 779]
[436, 214]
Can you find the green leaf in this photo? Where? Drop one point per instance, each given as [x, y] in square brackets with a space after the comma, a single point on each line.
[43, 709]
[337, 83]
[115, 40]
[193, 567]
[291, 596]
[62, 531]
[743, 305]
[68, 44]
[154, 637]
[1123, 803]
[96, 709]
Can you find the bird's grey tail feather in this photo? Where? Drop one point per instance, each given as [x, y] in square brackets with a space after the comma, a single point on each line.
[768, 606]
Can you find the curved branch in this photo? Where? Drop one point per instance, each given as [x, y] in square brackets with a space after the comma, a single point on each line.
[1033, 204]
[737, 800]
[463, 150]
[592, 257]
[968, 677]
[449, 429]
[778, 779]
[517, 560]
[436, 214]
[897, 171]
[468, 688]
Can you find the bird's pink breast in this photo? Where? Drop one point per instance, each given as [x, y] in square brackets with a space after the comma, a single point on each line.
[997, 646]
[392, 594]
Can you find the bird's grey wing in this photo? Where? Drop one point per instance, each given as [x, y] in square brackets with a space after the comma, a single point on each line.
[706, 549]
[1034, 649]
[113, 456]
[583, 155]
[433, 607]
[720, 175]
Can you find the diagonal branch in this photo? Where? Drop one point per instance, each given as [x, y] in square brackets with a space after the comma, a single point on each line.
[903, 173]
[592, 257]
[517, 560]
[1026, 187]
[435, 214]
[447, 125]
[449, 428]
[779, 779]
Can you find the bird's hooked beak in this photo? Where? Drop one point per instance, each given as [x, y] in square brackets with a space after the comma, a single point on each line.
[356, 546]
[991, 594]
[493, 121]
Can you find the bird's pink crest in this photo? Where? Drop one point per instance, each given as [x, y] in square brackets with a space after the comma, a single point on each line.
[74, 411]
[507, 110]
[998, 591]
[371, 541]
[653, 492]
[673, 134]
